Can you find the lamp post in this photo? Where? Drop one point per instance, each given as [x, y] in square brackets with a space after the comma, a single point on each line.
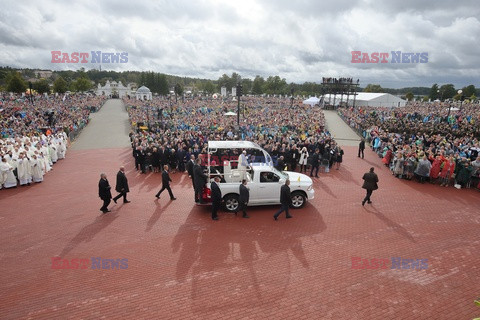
[291, 92]
[239, 94]
[461, 98]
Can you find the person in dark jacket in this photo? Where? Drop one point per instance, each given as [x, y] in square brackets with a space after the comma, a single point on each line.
[370, 183]
[285, 200]
[190, 166]
[165, 184]
[155, 160]
[315, 163]
[104, 192]
[361, 147]
[140, 157]
[280, 164]
[243, 198]
[122, 186]
[216, 197]
[199, 179]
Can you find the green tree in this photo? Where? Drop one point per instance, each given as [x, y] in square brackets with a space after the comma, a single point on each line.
[448, 91]
[434, 92]
[209, 87]
[60, 85]
[247, 85]
[409, 96]
[15, 83]
[178, 90]
[42, 86]
[258, 84]
[82, 84]
[275, 85]
[224, 81]
[373, 88]
[163, 88]
[468, 91]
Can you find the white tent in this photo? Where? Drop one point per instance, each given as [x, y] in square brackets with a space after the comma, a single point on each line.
[312, 101]
[366, 99]
[230, 113]
[453, 109]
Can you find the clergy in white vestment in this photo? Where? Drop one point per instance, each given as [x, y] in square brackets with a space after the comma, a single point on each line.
[24, 170]
[37, 172]
[61, 149]
[52, 150]
[7, 179]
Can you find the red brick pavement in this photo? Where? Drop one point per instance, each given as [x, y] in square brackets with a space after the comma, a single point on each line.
[183, 265]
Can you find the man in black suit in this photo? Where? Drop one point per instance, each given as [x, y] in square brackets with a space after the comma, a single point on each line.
[166, 184]
[280, 164]
[370, 183]
[361, 147]
[315, 163]
[285, 200]
[216, 197]
[140, 158]
[190, 166]
[199, 179]
[104, 192]
[122, 186]
[243, 198]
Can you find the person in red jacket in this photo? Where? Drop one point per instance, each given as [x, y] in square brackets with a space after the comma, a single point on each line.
[435, 170]
[447, 170]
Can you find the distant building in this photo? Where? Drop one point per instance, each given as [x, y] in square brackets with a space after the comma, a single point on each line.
[143, 93]
[43, 73]
[113, 89]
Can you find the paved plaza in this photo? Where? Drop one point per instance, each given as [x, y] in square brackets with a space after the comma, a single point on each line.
[183, 265]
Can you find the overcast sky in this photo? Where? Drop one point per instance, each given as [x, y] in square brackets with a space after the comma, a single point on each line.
[297, 40]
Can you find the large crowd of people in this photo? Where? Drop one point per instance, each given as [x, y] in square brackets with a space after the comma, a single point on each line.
[168, 132]
[34, 134]
[426, 141]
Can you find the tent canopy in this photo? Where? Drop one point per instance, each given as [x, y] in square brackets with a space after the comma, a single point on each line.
[312, 101]
[230, 113]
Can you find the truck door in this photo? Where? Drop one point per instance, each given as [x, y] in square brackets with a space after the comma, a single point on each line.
[268, 188]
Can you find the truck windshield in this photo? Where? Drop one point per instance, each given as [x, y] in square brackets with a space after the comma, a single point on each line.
[284, 176]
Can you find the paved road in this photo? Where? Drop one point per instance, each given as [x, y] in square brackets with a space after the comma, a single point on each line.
[183, 265]
[108, 128]
[343, 134]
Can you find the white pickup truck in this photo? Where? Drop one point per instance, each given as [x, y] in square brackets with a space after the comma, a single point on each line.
[263, 180]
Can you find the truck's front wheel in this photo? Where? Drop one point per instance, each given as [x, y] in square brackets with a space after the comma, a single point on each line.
[231, 203]
[298, 200]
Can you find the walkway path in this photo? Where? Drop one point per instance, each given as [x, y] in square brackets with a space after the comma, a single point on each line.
[108, 128]
[343, 134]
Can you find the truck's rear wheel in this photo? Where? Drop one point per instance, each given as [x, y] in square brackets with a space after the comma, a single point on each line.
[298, 200]
[231, 203]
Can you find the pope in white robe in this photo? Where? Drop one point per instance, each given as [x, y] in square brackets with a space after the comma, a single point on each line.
[61, 150]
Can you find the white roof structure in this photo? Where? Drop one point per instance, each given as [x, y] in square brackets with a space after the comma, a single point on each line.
[143, 89]
[367, 99]
[312, 101]
[232, 145]
[143, 93]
